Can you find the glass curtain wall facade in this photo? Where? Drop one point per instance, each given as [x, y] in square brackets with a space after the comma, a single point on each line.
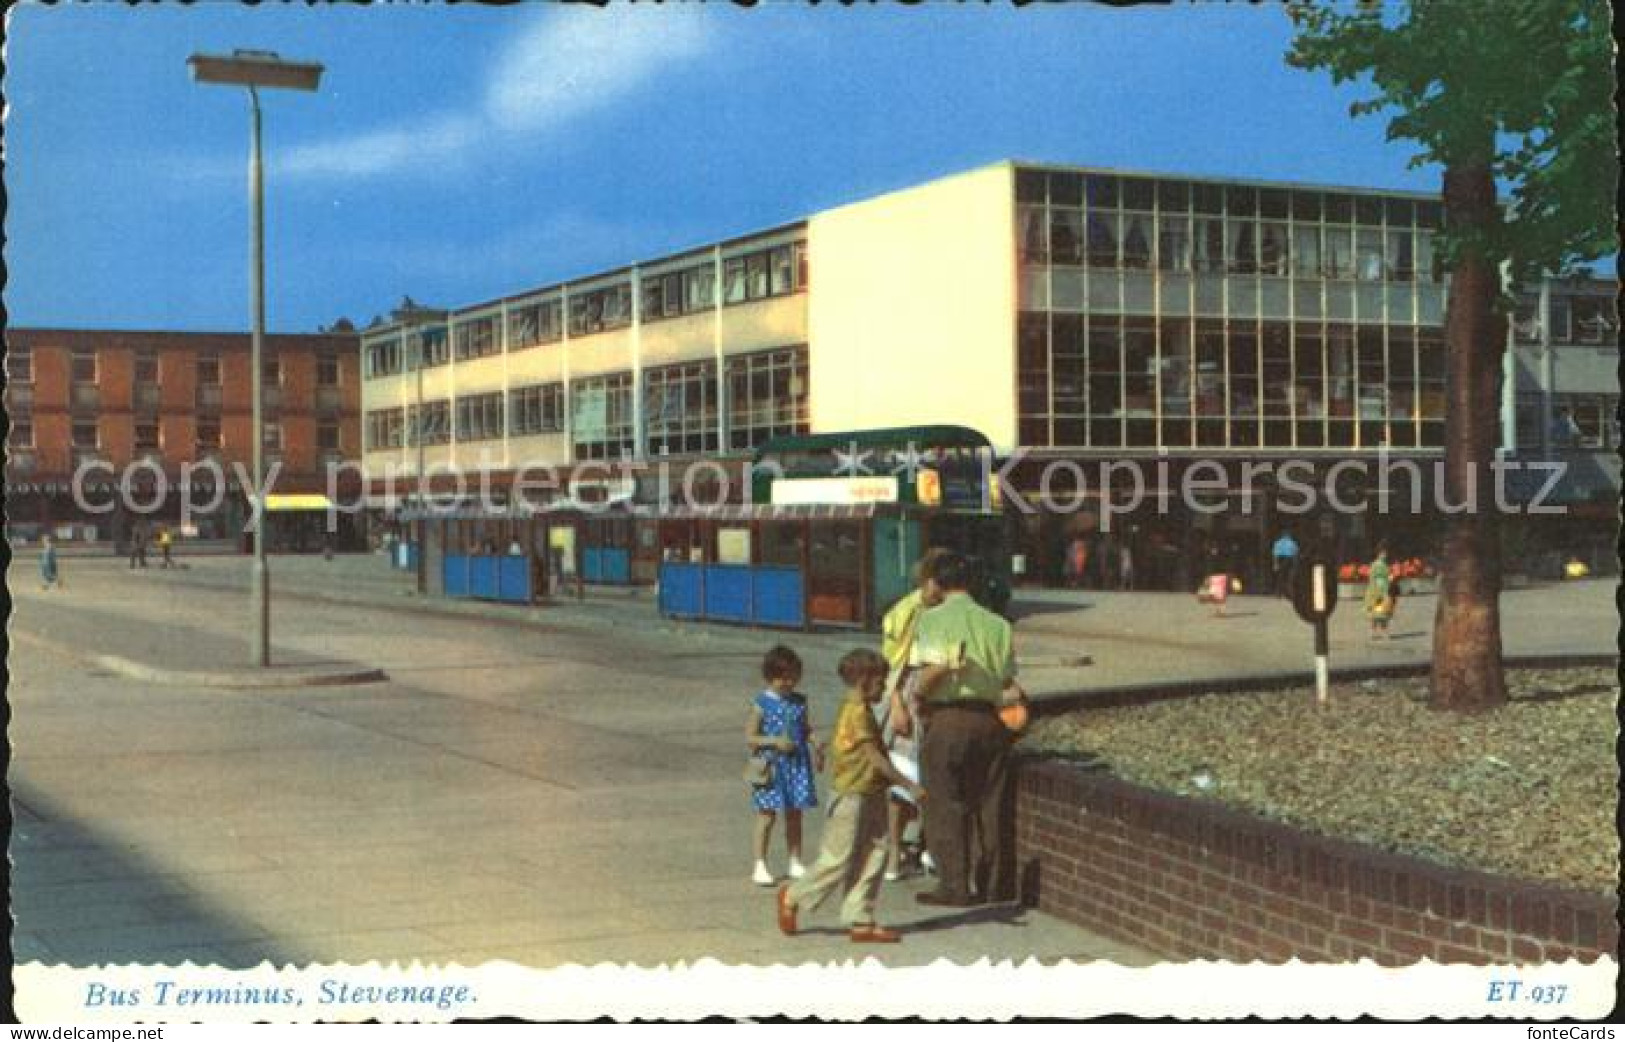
[1159, 313]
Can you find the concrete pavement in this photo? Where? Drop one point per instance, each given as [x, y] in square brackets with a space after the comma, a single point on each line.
[547, 786]
[1127, 638]
[510, 793]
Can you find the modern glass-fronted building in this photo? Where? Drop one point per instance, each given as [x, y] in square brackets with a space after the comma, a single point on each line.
[1172, 313]
[1071, 314]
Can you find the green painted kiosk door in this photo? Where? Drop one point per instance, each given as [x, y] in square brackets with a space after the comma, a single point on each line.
[896, 548]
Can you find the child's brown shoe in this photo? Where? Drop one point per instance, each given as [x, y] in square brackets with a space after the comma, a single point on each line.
[787, 912]
[873, 934]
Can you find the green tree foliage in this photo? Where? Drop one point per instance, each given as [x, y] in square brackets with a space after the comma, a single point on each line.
[1525, 86]
[1510, 92]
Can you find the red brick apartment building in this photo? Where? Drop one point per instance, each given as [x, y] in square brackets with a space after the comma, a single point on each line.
[124, 406]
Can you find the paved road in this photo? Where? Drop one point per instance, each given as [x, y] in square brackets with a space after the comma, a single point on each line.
[1129, 638]
[547, 786]
[513, 792]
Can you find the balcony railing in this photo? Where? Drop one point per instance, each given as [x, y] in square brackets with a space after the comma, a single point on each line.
[19, 396]
[208, 395]
[329, 400]
[147, 396]
[86, 396]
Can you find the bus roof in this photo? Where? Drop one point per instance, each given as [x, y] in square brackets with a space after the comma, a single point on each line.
[941, 434]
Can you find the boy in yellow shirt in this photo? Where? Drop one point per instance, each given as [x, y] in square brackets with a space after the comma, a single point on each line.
[854, 839]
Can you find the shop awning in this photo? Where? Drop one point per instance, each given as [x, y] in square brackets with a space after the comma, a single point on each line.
[622, 510]
[465, 512]
[773, 512]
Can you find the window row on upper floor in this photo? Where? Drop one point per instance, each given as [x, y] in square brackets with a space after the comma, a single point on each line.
[1104, 192]
[1576, 421]
[683, 409]
[397, 355]
[1110, 381]
[146, 369]
[1180, 243]
[149, 436]
[775, 271]
[1573, 319]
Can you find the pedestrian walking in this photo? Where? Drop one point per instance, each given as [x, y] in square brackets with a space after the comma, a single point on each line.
[1215, 589]
[49, 575]
[1379, 595]
[1284, 557]
[138, 545]
[780, 738]
[1107, 558]
[1125, 567]
[852, 849]
[968, 670]
[166, 543]
[1077, 562]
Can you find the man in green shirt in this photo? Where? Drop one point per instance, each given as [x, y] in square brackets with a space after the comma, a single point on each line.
[968, 663]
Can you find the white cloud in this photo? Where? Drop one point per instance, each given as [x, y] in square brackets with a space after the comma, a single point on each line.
[562, 65]
[380, 151]
[585, 57]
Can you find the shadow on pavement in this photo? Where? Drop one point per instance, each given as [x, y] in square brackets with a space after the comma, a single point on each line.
[1020, 609]
[81, 898]
[1009, 914]
[1006, 915]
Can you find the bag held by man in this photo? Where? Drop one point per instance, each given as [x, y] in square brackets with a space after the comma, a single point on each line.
[1013, 712]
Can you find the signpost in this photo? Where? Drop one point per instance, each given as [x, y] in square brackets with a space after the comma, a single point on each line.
[1314, 596]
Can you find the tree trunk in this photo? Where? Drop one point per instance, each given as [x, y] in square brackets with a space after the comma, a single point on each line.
[1467, 674]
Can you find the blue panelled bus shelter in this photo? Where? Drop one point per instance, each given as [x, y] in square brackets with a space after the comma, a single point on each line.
[779, 566]
[478, 554]
[520, 554]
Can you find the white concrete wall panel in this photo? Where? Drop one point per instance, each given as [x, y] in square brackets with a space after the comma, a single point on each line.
[600, 353]
[687, 338]
[1586, 370]
[759, 325]
[912, 308]
[535, 365]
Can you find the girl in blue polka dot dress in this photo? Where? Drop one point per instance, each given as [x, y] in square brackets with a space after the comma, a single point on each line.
[781, 733]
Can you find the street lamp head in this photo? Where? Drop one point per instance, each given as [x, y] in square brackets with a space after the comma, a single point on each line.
[254, 69]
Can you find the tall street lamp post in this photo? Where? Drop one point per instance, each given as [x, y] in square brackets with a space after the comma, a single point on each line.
[256, 69]
[415, 320]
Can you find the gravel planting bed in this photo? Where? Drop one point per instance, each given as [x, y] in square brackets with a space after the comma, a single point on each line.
[1528, 791]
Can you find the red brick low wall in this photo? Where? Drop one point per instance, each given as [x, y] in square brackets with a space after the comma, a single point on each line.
[1191, 879]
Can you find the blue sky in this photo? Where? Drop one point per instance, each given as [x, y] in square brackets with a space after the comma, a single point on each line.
[458, 154]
